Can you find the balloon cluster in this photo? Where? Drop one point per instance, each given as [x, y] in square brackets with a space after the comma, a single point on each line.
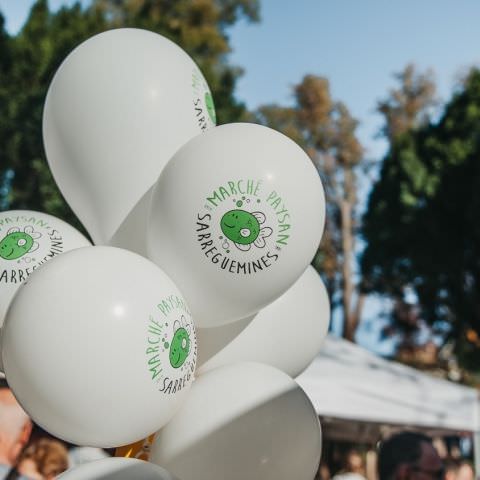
[199, 230]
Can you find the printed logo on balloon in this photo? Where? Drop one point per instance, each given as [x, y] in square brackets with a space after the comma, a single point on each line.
[171, 345]
[25, 244]
[243, 228]
[18, 243]
[204, 107]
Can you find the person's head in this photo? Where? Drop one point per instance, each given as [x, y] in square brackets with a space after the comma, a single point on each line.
[353, 462]
[409, 456]
[451, 469]
[49, 457]
[465, 472]
[324, 471]
[15, 427]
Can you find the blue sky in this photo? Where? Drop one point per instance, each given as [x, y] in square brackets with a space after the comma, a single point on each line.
[356, 44]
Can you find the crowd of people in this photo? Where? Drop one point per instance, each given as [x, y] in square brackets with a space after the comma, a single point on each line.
[25, 455]
[404, 456]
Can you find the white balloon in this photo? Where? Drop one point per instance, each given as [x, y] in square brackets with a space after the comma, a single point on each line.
[117, 109]
[214, 339]
[287, 334]
[28, 240]
[117, 469]
[99, 347]
[243, 421]
[236, 217]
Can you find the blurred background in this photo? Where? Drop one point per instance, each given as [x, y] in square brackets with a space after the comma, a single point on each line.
[383, 96]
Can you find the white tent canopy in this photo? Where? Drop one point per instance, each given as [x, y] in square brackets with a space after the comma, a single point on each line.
[347, 382]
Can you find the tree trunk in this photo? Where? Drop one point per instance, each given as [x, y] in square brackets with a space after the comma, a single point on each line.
[351, 313]
[347, 245]
[353, 320]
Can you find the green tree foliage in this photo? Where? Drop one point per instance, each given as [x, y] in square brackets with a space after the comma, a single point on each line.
[326, 130]
[33, 56]
[408, 106]
[422, 225]
[29, 60]
[200, 28]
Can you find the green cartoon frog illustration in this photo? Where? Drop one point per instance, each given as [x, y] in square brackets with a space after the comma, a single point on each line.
[180, 344]
[210, 107]
[18, 243]
[244, 228]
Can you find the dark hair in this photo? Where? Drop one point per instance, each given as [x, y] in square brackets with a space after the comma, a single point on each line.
[404, 447]
[451, 464]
